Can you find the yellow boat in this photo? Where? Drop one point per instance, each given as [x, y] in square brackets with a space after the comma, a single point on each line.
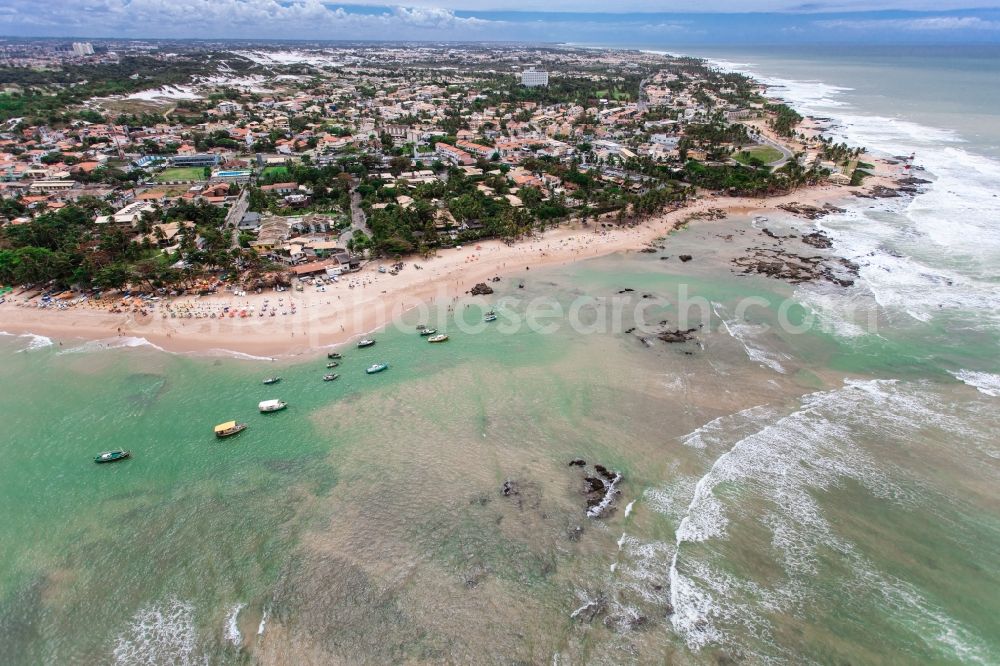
[229, 428]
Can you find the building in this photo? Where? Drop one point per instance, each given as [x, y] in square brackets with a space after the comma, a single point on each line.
[83, 49]
[533, 77]
[195, 160]
[129, 215]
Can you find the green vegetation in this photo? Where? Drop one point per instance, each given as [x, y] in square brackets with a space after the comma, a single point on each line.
[180, 173]
[758, 154]
[785, 120]
[272, 172]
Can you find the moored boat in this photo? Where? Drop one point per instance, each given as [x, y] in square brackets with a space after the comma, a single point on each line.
[336, 356]
[438, 338]
[334, 364]
[267, 406]
[111, 456]
[428, 331]
[367, 342]
[229, 428]
[272, 380]
[378, 367]
[330, 377]
[490, 316]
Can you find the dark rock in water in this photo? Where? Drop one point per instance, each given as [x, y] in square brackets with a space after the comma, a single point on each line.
[575, 533]
[664, 258]
[631, 330]
[520, 286]
[481, 289]
[883, 192]
[647, 296]
[596, 485]
[577, 462]
[685, 257]
[509, 488]
[817, 239]
[770, 234]
[603, 471]
[496, 279]
[648, 250]
[677, 335]
[625, 290]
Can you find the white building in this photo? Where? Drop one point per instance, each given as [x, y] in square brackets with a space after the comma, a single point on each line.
[83, 49]
[533, 77]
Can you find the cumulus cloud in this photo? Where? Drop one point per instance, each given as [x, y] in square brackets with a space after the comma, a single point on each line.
[925, 24]
[235, 18]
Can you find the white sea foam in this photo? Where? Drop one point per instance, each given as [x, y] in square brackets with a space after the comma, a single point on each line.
[263, 623]
[628, 508]
[784, 462]
[232, 632]
[124, 342]
[35, 341]
[162, 634]
[984, 382]
[746, 333]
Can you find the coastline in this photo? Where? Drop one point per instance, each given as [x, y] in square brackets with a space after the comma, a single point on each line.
[344, 312]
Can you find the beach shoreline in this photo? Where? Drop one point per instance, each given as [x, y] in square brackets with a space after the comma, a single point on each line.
[364, 302]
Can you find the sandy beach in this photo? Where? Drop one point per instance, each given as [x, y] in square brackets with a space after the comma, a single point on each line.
[290, 323]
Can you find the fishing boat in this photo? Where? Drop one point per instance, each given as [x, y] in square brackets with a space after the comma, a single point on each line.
[272, 380]
[229, 428]
[111, 456]
[367, 342]
[268, 406]
[378, 367]
[428, 331]
[330, 377]
[490, 316]
[332, 364]
[438, 338]
[335, 356]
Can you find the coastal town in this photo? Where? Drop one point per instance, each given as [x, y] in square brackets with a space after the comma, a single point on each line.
[142, 174]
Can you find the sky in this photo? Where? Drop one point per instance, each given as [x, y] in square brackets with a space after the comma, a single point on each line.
[646, 23]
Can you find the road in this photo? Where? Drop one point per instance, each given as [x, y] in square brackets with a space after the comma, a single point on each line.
[359, 221]
[236, 214]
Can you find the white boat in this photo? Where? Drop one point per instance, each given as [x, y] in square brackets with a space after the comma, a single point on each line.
[266, 406]
[438, 338]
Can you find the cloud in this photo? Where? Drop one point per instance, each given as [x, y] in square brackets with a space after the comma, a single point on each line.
[925, 24]
[261, 19]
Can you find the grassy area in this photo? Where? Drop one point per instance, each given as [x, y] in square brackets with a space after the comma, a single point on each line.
[765, 154]
[274, 171]
[181, 173]
[619, 95]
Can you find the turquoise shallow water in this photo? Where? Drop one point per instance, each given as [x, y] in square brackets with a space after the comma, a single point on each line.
[775, 511]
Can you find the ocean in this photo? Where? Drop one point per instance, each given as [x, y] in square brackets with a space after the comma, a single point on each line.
[809, 480]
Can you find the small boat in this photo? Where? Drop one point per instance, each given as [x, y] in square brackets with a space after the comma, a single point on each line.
[332, 364]
[334, 356]
[229, 428]
[272, 380]
[428, 331]
[490, 316]
[111, 456]
[378, 367]
[367, 342]
[330, 377]
[267, 406]
[438, 338]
